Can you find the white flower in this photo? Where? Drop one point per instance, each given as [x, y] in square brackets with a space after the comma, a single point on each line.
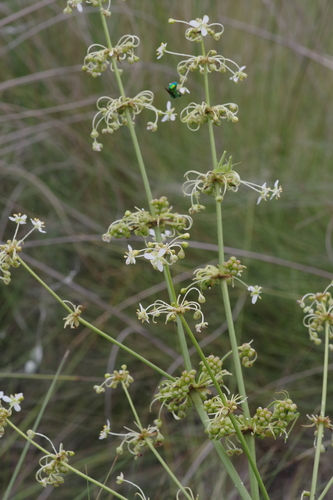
[105, 431]
[19, 218]
[263, 193]
[130, 255]
[184, 90]
[201, 325]
[38, 225]
[79, 7]
[14, 400]
[156, 258]
[276, 191]
[169, 113]
[235, 77]
[142, 314]
[1, 394]
[161, 49]
[201, 24]
[255, 292]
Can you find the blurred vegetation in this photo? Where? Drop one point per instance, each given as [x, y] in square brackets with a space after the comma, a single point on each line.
[48, 170]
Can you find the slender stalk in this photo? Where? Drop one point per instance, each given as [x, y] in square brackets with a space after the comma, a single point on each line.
[240, 436]
[220, 450]
[171, 291]
[225, 295]
[38, 419]
[76, 471]
[151, 446]
[94, 328]
[320, 430]
[328, 486]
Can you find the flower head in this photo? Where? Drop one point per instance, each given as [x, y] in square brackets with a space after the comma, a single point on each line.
[131, 254]
[201, 24]
[39, 225]
[161, 49]
[105, 431]
[14, 401]
[169, 114]
[255, 292]
[19, 218]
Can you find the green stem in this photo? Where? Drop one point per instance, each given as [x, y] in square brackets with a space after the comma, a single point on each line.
[94, 328]
[320, 430]
[100, 485]
[171, 291]
[239, 434]
[38, 419]
[225, 295]
[220, 450]
[130, 402]
[128, 116]
[328, 486]
[167, 468]
[151, 446]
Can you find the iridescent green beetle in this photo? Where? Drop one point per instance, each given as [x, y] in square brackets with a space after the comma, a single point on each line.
[173, 90]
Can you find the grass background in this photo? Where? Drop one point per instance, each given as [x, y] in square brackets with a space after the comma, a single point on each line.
[48, 170]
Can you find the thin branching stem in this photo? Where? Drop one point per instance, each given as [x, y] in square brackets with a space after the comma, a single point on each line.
[320, 430]
[226, 301]
[76, 471]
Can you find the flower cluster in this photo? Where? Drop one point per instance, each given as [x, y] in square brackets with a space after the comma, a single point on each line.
[14, 402]
[215, 363]
[77, 4]
[318, 310]
[52, 465]
[195, 115]
[112, 380]
[317, 420]
[212, 61]
[199, 28]
[175, 395]
[220, 180]
[117, 112]
[246, 353]
[9, 251]
[97, 58]
[210, 275]
[173, 310]
[73, 4]
[136, 440]
[72, 319]
[265, 423]
[141, 222]
[159, 254]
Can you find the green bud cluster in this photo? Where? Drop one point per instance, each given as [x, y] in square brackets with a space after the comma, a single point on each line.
[8, 258]
[49, 473]
[141, 221]
[112, 380]
[215, 364]
[264, 423]
[97, 61]
[246, 352]
[4, 414]
[318, 308]
[196, 115]
[209, 276]
[135, 444]
[212, 61]
[175, 394]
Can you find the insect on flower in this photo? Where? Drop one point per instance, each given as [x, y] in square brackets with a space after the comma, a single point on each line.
[173, 90]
